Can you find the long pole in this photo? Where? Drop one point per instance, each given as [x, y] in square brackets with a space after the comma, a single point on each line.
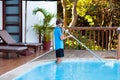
[94, 54]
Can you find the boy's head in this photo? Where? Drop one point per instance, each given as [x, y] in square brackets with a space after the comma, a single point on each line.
[59, 22]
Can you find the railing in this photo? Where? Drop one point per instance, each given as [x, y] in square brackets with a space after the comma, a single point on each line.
[95, 38]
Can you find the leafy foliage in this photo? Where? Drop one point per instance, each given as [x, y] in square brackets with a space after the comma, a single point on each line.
[73, 44]
[45, 28]
[95, 12]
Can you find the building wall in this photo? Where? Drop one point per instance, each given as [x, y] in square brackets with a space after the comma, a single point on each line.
[31, 36]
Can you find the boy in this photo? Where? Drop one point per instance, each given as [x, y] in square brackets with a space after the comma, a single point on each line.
[58, 40]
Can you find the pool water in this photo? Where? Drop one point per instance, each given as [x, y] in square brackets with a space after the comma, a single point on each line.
[74, 70]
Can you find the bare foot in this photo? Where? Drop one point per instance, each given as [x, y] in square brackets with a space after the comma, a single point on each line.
[58, 60]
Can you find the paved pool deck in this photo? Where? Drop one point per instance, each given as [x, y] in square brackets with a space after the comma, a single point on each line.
[50, 56]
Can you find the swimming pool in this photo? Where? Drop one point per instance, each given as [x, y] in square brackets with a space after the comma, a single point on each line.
[74, 70]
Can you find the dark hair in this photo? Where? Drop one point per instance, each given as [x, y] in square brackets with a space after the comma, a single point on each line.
[59, 21]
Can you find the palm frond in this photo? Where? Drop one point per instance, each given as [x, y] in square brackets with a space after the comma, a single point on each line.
[44, 28]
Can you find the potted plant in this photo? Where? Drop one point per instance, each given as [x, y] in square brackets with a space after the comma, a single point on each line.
[44, 29]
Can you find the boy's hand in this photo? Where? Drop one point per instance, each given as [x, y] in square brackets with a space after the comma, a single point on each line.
[66, 31]
[70, 35]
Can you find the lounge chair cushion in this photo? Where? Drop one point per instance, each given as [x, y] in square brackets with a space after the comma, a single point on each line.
[6, 37]
[12, 48]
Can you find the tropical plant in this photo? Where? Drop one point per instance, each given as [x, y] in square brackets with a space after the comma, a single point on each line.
[44, 28]
[101, 13]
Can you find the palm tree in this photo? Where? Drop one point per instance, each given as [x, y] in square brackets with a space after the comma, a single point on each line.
[44, 28]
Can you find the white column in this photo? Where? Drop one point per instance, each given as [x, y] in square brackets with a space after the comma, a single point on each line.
[1, 22]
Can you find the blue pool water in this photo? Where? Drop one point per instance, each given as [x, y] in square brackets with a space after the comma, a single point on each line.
[74, 70]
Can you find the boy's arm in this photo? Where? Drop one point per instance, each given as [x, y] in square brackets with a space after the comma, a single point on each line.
[65, 37]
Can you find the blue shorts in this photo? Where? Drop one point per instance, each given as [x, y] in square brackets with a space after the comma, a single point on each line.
[60, 53]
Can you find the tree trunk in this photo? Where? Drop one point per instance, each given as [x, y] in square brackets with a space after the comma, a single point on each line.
[109, 25]
[74, 14]
[64, 12]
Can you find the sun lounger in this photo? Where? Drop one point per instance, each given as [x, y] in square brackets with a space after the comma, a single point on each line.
[12, 49]
[8, 40]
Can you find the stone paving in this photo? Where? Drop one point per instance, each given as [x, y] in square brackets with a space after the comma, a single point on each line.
[82, 54]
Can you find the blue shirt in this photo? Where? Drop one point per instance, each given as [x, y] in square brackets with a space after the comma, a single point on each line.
[58, 43]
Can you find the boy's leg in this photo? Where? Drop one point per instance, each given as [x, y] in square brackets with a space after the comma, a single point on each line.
[59, 55]
[58, 60]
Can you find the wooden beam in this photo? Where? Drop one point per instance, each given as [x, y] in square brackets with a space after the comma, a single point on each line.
[118, 52]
